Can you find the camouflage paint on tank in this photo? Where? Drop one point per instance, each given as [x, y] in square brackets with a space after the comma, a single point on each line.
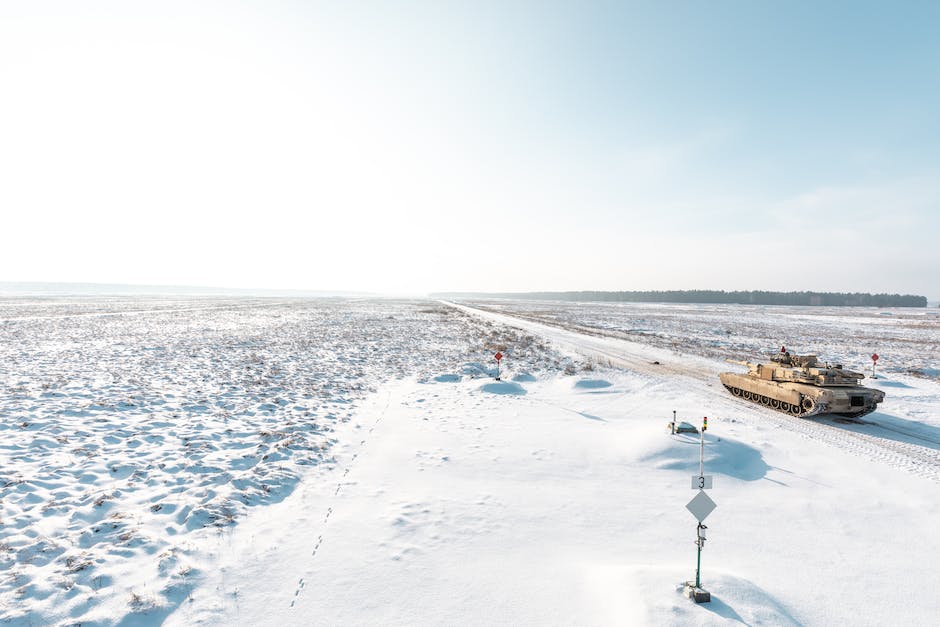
[801, 386]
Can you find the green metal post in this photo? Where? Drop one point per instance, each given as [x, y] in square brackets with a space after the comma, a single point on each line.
[698, 563]
[698, 532]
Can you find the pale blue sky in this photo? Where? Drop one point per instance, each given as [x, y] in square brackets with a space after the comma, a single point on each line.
[419, 146]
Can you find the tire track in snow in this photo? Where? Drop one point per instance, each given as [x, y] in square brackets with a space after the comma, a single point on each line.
[617, 352]
[913, 458]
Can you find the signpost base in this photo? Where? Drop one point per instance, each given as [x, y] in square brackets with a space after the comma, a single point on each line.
[699, 595]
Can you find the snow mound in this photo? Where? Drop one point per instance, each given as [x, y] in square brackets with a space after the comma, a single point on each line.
[658, 598]
[476, 369]
[447, 378]
[524, 377]
[504, 387]
[592, 384]
[722, 456]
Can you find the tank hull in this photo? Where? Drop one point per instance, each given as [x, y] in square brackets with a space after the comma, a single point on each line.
[804, 400]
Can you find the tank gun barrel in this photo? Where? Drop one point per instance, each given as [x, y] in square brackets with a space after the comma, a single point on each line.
[740, 362]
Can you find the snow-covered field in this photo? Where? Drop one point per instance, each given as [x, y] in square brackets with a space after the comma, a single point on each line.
[132, 428]
[213, 461]
[907, 340]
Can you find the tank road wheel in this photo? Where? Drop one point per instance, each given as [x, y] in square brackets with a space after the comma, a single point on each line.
[745, 395]
[796, 410]
[808, 404]
[736, 391]
[765, 401]
[775, 403]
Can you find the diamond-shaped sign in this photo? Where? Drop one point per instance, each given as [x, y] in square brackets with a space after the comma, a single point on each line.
[701, 506]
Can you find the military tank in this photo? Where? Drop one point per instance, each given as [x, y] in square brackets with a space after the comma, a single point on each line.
[801, 386]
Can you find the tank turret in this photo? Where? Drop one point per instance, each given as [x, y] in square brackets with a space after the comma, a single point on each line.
[801, 386]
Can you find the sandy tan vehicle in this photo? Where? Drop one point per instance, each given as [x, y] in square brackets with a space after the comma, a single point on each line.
[799, 385]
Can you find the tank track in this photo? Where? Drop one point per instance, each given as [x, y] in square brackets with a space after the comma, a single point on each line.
[806, 409]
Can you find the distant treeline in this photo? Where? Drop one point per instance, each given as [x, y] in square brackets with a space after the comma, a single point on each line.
[821, 299]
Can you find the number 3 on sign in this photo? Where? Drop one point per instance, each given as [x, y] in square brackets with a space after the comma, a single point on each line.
[700, 482]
